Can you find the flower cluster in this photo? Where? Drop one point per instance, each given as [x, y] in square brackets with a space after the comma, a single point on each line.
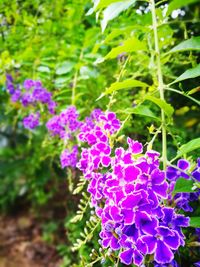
[64, 124]
[32, 94]
[69, 159]
[182, 200]
[31, 121]
[129, 198]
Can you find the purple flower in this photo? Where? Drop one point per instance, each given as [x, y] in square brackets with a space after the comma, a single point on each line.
[41, 95]
[27, 99]
[28, 84]
[134, 146]
[171, 264]
[65, 123]
[196, 172]
[31, 121]
[96, 113]
[69, 158]
[129, 197]
[52, 106]
[197, 264]
[111, 123]
[16, 95]
[9, 84]
[173, 173]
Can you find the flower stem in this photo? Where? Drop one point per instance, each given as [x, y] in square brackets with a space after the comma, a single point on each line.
[160, 82]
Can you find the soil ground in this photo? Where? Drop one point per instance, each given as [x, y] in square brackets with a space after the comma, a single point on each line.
[21, 244]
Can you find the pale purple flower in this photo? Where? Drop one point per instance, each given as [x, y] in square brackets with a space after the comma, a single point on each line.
[31, 121]
[69, 158]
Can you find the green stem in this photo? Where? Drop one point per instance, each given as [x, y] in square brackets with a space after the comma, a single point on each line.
[75, 80]
[183, 94]
[160, 83]
[74, 87]
[117, 80]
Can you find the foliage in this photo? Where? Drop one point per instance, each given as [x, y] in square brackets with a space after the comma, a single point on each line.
[109, 55]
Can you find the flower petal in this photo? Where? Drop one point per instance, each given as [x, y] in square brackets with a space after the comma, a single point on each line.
[126, 256]
[163, 253]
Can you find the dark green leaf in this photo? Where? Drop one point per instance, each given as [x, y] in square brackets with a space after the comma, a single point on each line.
[188, 147]
[195, 222]
[190, 44]
[176, 4]
[183, 186]
[188, 74]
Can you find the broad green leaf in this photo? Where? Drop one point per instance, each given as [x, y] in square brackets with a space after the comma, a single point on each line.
[104, 3]
[176, 4]
[122, 85]
[130, 45]
[141, 110]
[190, 44]
[62, 81]
[195, 222]
[188, 74]
[43, 69]
[183, 186]
[113, 10]
[168, 109]
[64, 68]
[188, 147]
[116, 32]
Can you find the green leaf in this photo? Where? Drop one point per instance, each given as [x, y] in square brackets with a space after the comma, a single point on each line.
[104, 3]
[64, 68]
[176, 4]
[188, 74]
[141, 110]
[113, 10]
[43, 69]
[190, 44]
[195, 222]
[123, 85]
[168, 109]
[130, 45]
[183, 186]
[188, 147]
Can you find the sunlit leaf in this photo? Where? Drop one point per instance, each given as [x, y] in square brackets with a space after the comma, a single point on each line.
[64, 68]
[168, 109]
[123, 85]
[188, 74]
[113, 10]
[105, 3]
[190, 44]
[43, 69]
[195, 222]
[141, 110]
[188, 147]
[183, 186]
[130, 45]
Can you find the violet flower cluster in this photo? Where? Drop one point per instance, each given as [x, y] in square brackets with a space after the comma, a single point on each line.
[31, 94]
[128, 192]
[66, 125]
[182, 200]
